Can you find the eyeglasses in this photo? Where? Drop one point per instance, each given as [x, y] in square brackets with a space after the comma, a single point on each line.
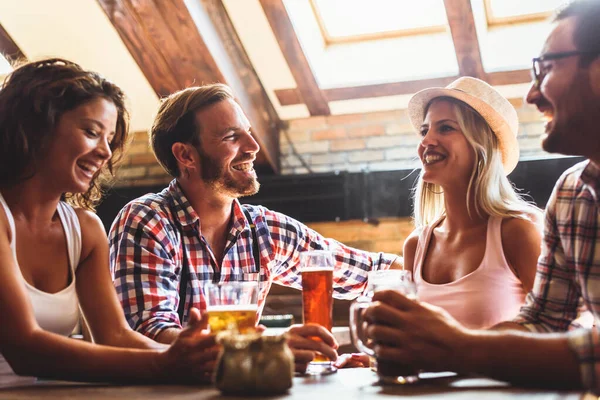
[539, 73]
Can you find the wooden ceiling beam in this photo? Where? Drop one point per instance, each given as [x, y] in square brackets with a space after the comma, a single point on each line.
[144, 50]
[509, 77]
[464, 36]
[293, 53]
[292, 96]
[9, 49]
[234, 63]
[385, 89]
[170, 49]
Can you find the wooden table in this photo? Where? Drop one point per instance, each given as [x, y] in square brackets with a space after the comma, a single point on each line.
[347, 384]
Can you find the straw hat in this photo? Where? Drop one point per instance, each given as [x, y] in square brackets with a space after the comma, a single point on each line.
[491, 105]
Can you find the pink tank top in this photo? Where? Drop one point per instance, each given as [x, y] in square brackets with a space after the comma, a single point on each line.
[489, 295]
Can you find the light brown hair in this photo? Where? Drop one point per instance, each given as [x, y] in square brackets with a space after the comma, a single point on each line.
[176, 121]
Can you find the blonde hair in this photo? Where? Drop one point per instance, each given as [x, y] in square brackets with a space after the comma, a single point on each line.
[176, 121]
[494, 195]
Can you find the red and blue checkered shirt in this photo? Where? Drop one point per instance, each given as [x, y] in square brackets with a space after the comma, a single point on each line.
[568, 271]
[150, 235]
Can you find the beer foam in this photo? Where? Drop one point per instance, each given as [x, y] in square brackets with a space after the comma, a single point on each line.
[316, 269]
[233, 307]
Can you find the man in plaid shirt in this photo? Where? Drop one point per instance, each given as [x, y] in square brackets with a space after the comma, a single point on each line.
[203, 139]
[566, 89]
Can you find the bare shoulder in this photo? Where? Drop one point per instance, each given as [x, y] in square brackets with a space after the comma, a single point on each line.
[92, 231]
[517, 229]
[521, 242]
[88, 220]
[411, 242]
[410, 248]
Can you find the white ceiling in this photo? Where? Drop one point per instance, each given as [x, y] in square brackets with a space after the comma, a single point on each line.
[79, 30]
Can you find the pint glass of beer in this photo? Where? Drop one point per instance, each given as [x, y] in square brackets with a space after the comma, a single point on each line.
[317, 301]
[231, 306]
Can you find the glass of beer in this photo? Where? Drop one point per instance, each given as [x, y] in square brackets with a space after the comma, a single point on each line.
[401, 281]
[231, 306]
[317, 301]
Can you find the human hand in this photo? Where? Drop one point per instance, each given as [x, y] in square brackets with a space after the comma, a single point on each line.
[352, 360]
[412, 333]
[307, 340]
[192, 356]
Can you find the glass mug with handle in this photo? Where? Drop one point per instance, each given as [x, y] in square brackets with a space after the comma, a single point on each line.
[317, 300]
[231, 306]
[401, 281]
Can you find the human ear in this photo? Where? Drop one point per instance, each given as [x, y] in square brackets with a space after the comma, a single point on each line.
[185, 155]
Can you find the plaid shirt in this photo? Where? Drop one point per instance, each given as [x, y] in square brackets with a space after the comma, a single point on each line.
[150, 235]
[568, 271]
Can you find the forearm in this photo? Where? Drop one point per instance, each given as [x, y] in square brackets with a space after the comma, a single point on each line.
[508, 326]
[168, 335]
[397, 263]
[128, 338]
[523, 358]
[52, 356]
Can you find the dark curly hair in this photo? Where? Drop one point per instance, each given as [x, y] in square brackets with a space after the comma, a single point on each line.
[32, 99]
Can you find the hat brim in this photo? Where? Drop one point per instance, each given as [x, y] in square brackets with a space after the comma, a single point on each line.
[507, 139]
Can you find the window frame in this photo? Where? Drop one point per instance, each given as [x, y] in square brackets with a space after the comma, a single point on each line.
[365, 37]
[494, 22]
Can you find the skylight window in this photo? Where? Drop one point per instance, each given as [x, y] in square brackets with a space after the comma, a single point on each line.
[343, 21]
[381, 58]
[500, 12]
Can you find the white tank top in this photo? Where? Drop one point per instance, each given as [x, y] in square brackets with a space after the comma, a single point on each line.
[54, 312]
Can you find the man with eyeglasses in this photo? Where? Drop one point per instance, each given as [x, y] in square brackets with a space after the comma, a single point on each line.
[566, 89]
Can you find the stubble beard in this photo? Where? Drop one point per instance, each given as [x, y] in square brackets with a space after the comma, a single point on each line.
[572, 130]
[216, 177]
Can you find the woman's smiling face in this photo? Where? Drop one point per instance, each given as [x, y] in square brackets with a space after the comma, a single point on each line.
[444, 151]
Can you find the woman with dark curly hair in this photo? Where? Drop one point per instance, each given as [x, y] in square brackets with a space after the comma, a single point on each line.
[62, 130]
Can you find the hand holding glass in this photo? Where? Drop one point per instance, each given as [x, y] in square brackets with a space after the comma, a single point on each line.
[401, 281]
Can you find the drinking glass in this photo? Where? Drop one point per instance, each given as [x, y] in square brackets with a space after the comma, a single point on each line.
[231, 306]
[317, 301]
[401, 281]
[380, 279]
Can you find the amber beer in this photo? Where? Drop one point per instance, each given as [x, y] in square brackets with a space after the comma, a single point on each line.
[317, 300]
[241, 318]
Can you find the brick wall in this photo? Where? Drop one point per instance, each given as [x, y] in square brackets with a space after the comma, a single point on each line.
[375, 141]
[139, 167]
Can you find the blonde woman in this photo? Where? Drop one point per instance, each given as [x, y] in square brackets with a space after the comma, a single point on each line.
[476, 242]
